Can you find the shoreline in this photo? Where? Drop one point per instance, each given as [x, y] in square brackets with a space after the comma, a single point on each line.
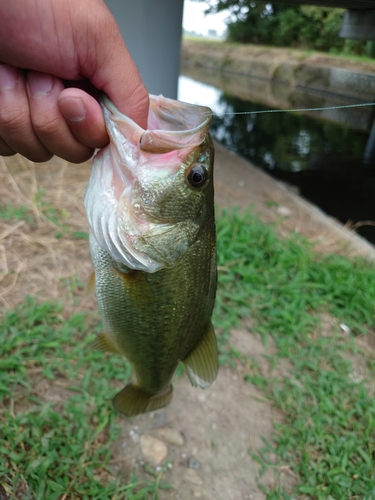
[285, 78]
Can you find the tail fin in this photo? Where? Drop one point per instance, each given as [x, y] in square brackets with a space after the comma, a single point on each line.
[133, 400]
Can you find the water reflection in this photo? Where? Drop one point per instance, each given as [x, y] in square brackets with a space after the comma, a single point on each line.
[325, 160]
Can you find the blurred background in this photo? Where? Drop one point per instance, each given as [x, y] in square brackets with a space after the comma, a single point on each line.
[248, 56]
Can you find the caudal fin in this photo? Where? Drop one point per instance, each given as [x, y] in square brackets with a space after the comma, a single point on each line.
[133, 400]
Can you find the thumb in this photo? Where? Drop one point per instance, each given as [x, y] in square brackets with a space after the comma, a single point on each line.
[116, 74]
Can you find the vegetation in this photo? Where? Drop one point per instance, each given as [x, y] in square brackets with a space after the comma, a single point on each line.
[328, 435]
[288, 25]
[59, 446]
[327, 438]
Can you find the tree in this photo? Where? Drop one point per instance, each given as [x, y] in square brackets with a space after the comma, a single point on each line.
[270, 23]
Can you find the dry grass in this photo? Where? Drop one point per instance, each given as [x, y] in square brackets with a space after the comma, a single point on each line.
[38, 251]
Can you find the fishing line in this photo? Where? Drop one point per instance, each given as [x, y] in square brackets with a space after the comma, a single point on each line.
[299, 110]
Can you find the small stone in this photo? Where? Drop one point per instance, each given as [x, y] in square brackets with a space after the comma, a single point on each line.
[160, 418]
[154, 450]
[344, 328]
[284, 211]
[197, 494]
[172, 436]
[194, 464]
[134, 436]
[193, 477]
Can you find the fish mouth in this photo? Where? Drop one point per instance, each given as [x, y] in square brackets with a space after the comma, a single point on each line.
[172, 125]
[174, 130]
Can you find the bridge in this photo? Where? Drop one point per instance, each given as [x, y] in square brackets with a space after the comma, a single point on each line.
[359, 20]
[152, 31]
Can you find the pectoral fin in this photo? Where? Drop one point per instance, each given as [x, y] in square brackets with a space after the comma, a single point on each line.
[133, 400]
[202, 363]
[90, 287]
[105, 344]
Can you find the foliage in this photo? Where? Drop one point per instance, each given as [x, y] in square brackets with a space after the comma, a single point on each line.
[61, 446]
[260, 22]
[58, 446]
[327, 437]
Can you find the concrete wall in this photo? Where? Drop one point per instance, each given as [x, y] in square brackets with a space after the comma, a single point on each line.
[152, 32]
[284, 78]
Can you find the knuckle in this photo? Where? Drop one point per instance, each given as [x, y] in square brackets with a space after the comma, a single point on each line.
[47, 126]
[13, 119]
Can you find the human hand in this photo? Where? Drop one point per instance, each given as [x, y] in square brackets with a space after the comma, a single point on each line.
[62, 44]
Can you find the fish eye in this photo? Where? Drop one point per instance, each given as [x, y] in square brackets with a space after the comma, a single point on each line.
[197, 176]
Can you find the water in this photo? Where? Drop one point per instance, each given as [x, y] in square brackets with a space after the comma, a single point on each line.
[324, 159]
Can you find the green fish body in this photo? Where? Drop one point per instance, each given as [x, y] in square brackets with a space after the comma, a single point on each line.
[150, 208]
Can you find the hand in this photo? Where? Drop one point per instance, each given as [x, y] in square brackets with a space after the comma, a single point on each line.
[47, 47]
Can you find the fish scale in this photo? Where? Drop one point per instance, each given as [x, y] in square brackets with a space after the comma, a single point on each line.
[156, 302]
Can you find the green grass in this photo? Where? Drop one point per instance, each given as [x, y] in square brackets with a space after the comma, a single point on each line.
[298, 53]
[59, 447]
[328, 435]
[48, 212]
[9, 212]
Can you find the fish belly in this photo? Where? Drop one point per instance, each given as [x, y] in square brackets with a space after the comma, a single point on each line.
[157, 319]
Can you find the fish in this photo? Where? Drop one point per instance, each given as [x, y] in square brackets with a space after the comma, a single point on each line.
[150, 207]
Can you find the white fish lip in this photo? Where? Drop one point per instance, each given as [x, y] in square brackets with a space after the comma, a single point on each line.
[175, 128]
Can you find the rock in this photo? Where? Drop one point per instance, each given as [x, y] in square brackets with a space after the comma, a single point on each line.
[172, 436]
[193, 477]
[154, 450]
[194, 464]
[134, 436]
[284, 211]
[160, 418]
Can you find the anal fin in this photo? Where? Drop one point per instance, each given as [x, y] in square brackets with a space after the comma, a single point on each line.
[105, 344]
[202, 363]
[133, 400]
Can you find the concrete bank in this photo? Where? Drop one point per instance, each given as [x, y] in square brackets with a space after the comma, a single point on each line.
[240, 184]
[285, 78]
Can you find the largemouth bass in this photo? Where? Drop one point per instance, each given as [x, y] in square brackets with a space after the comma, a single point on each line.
[150, 208]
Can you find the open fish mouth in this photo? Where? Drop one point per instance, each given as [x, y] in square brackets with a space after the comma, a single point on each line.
[129, 175]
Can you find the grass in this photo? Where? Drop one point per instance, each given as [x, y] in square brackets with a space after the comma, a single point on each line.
[43, 210]
[299, 53]
[60, 446]
[58, 426]
[10, 212]
[328, 435]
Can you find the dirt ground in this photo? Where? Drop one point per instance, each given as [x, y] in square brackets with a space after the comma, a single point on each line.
[205, 435]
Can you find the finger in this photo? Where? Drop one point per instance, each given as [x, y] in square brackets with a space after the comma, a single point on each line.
[110, 68]
[48, 122]
[5, 150]
[84, 117]
[16, 129]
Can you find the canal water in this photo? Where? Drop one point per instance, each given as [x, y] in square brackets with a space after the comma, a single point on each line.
[323, 159]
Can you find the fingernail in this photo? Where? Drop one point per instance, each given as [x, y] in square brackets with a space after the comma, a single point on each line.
[73, 109]
[8, 76]
[39, 83]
